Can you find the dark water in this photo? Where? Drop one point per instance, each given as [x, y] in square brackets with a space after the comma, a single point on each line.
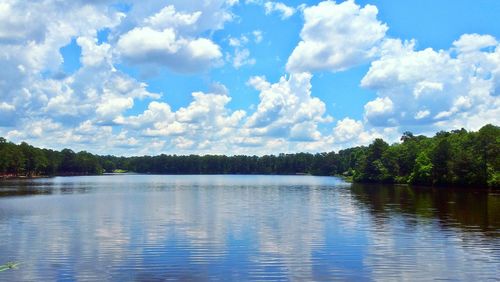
[156, 228]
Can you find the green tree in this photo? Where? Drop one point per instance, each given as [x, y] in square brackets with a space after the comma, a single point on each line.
[440, 157]
[422, 171]
[488, 146]
[372, 168]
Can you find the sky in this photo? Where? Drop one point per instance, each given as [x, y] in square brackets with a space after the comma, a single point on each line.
[244, 77]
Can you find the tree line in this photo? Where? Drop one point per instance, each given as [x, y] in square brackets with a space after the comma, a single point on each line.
[458, 157]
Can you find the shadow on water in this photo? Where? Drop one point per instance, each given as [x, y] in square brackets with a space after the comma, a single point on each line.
[470, 210]
[9, 188]
[18, 188]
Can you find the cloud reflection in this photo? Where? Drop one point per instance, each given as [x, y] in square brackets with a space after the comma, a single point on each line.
[239, 228]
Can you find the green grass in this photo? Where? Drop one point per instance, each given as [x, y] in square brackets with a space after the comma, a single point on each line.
[119, 171]
[9, 265]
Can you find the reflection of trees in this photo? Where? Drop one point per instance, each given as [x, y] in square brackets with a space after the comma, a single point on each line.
[470, 210]
[23, 188]
[33, 188]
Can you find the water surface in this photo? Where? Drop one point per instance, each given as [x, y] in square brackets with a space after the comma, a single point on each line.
[157, 228]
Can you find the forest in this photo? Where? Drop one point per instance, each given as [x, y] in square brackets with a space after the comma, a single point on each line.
[458, 158]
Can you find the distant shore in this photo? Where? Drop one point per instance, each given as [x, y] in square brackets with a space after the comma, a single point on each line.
[448, 159]
[10, 177]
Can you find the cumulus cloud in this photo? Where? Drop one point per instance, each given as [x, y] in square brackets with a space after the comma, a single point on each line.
[42, 106]
[474, 42]
[435, 87]
[278, 7]
[163, 48]
[7, 113]
[190, 17]
[35, 51]
[96, 91]
[287, 119]
[161, 42]
[349, 133]
[422, 114]
[93, 54]
[206, 120]
[241, 58]
[89, 108]
[287, 109]
[168, 17]
[379, 111]
[347, 130]
[241, 55]
[238, 42]
[156, 112]
[214, 13]
[16, 25]
[336, 37]
[36, 47]
[81, 109]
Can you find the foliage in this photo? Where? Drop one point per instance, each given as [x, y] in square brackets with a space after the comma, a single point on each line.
[9, 265]
[458, 157]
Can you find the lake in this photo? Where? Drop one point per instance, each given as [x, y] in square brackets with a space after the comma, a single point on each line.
[164, 227]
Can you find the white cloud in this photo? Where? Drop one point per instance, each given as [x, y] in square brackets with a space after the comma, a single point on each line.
[140, 43]
[214, 13]
[79, 110]
[284, 10]
[336, 37]
[259, 82]
[94, 55]
[189, 17]
[379, 111]
[16, 25]
[112, 106]
[87, 109]
[349, 133]
[30, 77]
[241, 55]
[257, 35]
[164, 42]
[6, 107]
[474, 42]
[305, 131]
[156, 112]
[435, 88]
[234, 42]
[347, 130]
[35, 47]
[287, 108]
[238, 42]
[422, 114]
[206, 120]
[168, 17]
[232, 2]
[95, 91]
[241, 58]
[7, 114]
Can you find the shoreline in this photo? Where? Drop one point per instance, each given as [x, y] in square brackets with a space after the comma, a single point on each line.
[347, 179]
[13, 177]
[25, 177]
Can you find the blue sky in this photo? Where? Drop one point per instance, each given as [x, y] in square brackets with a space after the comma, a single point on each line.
[244, 77]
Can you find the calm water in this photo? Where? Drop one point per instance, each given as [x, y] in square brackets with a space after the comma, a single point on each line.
[156, 228]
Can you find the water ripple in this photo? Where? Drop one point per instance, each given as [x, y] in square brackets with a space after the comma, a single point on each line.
[220, 228]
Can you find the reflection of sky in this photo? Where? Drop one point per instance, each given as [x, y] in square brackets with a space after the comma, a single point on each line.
[234, 227]
[423, 251]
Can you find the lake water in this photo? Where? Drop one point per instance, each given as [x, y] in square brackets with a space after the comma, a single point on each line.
[157, 228]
